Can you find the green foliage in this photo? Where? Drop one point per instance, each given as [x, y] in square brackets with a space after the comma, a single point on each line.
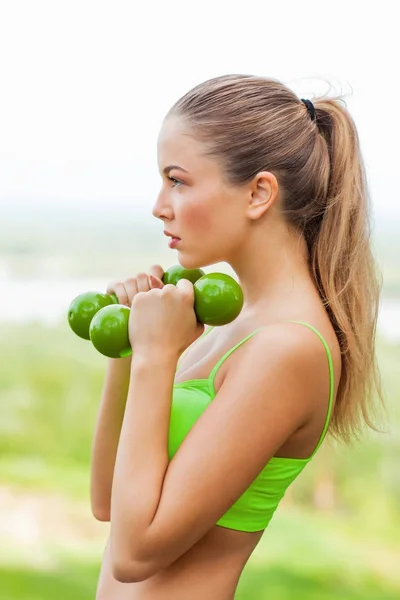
[50, 382]
[76, 581]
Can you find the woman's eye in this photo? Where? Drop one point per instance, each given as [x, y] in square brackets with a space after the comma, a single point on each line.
[175, 182]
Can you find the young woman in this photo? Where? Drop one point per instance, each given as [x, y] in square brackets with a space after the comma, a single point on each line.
[190, 463]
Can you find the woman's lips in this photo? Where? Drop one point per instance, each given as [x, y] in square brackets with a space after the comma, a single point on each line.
[174, 242]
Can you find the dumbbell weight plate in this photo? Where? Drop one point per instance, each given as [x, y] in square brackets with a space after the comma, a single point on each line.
[218, 299]
[109, 331]
[83, 308]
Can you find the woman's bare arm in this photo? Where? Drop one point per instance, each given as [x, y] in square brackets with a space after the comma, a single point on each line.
[106, 435]
[113, 399]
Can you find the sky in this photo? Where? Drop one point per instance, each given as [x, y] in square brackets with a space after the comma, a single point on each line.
[85, 85]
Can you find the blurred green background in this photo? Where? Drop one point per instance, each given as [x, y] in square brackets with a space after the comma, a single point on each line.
[336, 534]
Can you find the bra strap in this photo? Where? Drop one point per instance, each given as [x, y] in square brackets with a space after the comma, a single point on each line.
[331, 383]
[221, 360]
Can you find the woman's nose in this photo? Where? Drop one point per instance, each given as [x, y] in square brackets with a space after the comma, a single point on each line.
[161, 209]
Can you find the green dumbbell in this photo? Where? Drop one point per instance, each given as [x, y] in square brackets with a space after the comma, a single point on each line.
[218, 301]
[83, 308]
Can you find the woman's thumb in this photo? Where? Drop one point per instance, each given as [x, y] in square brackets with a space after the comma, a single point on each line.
[155, 282]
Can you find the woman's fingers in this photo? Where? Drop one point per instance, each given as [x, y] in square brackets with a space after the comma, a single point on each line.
[143, 282]
[156, 273]
[131, 287]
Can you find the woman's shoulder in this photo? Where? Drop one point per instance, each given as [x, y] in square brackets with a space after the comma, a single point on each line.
[305, 352]
[311, 343]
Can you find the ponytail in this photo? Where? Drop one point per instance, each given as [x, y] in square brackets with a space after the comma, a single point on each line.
[345, 270]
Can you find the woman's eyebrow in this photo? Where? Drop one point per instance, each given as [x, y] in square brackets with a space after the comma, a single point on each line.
[166, 170]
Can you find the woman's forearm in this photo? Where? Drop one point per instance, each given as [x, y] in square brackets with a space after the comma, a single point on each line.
[142, 457]
[106, 435]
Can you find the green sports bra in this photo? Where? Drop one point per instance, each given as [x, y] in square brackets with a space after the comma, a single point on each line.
[253, 510]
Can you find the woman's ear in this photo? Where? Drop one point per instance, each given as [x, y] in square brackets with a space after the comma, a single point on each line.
[264, 192]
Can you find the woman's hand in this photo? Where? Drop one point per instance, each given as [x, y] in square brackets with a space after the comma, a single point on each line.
[163, 320]
[128, 289]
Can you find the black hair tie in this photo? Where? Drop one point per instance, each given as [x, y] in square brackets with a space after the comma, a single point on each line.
[311, 109]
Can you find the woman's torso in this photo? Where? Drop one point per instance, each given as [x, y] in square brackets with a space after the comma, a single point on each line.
[212, 567]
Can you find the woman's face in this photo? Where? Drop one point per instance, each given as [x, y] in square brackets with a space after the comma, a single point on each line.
[195, 203]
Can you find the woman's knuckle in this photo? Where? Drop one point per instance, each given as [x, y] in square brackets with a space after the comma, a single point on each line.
[142, 282]
[169, 289]
[130, 281]
[137, 298]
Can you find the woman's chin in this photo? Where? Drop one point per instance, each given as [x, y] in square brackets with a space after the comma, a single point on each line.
[190, 262]
[193, 262]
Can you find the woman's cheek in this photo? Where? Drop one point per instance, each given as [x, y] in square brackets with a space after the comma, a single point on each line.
[198, 219]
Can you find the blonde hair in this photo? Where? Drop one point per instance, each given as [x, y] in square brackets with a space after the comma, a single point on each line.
[250, 124]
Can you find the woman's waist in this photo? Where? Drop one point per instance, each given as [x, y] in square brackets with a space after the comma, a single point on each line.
[210, 569]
